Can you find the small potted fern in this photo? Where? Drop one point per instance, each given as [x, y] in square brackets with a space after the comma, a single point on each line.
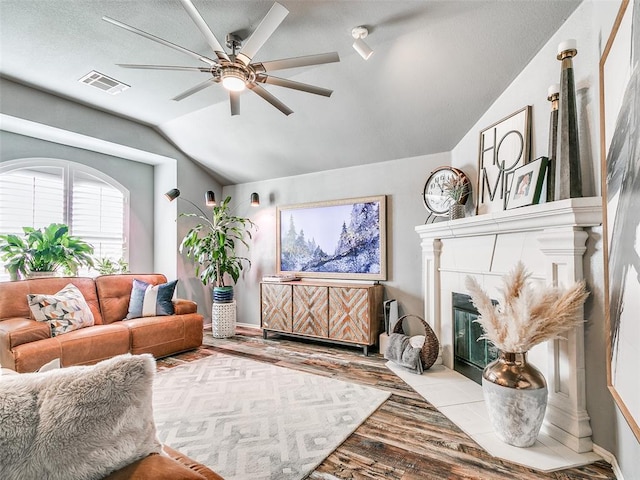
[457, 190]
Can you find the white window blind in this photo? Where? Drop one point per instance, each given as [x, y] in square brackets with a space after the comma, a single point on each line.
[65, 192]
[31, 197]
[97, 214]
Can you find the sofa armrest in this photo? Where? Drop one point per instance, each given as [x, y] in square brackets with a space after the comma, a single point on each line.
[184, 307]
[17, 331]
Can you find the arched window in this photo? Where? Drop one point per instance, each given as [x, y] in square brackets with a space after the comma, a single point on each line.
[37, 192]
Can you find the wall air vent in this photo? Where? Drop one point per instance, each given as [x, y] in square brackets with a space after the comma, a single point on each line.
[104, 83]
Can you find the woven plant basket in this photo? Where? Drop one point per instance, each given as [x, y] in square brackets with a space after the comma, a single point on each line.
[431, 346]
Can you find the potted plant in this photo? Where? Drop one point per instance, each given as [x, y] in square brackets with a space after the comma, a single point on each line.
[456, 188]
[108, 266]
[212, 243]
[43, 250]
[515, 391]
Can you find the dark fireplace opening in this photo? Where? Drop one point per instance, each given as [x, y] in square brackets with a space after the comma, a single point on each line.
[470, 355]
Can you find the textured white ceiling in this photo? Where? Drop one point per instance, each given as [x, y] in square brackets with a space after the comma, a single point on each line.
[437, 67]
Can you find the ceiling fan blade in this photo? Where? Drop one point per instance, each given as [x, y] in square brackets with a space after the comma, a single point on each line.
[268, 25]
[159, 40]
[163, 67]
[303, 87]
[204, 29]
[234, 100]
[201, 86]
[295, 62]
[270, 98]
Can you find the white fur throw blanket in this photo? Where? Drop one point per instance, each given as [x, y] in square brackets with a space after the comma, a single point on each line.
[77, 422]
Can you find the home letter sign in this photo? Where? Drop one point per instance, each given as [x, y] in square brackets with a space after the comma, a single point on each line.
[504, 146]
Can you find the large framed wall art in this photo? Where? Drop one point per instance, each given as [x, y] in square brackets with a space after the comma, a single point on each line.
[335, 239]
[504, 146]
[620, 156]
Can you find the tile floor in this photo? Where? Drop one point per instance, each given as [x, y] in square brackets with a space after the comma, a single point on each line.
[461, 400]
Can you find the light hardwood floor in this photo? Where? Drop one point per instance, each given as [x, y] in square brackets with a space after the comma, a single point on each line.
[405, 439]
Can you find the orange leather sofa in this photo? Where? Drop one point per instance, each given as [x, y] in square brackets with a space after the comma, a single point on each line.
[171, 466]
[26, 344]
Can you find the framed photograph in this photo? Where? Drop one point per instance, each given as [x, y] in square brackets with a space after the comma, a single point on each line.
[526, 183]
[620, 150]
[336, 239]
[504, 146]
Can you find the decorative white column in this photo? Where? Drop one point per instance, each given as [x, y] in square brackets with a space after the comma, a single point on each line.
[431, 248]
[567, 419]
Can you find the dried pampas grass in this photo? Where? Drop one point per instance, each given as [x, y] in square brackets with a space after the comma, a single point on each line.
[526, 315]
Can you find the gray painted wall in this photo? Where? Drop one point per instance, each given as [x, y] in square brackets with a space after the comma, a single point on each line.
[401, 180]
[136, 177]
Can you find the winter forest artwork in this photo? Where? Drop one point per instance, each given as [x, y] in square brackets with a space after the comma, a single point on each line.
[337, 239]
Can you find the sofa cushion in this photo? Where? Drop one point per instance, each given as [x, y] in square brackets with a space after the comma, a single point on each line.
[77, 422]
[16, 331]
[64, 311]
[151, 300]
[91, 345]
[13, 294]
[114, 292]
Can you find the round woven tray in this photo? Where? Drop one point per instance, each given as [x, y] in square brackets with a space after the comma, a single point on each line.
[431, 347]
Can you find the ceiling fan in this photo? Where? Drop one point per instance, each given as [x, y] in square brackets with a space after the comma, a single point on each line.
[235, 71]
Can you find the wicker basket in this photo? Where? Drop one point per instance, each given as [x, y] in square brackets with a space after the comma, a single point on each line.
[223, 319]
[431, 346]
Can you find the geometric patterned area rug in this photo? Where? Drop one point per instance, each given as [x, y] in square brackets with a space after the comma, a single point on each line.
[253, 420]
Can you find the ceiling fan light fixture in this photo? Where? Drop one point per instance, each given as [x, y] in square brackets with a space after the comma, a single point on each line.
[234, 78]
[359, 45]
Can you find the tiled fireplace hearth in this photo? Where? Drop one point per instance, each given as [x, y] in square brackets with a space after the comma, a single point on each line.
[551, 240]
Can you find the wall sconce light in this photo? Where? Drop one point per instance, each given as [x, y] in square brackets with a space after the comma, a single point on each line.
[359, 45]
[175, 193]
[172, 194]
[209, 198]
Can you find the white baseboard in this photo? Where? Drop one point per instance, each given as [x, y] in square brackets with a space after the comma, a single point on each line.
[609, 457]
[249, 325]
[207, 326]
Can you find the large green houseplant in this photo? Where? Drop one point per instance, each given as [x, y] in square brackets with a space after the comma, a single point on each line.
[45, 249]
[212, 246]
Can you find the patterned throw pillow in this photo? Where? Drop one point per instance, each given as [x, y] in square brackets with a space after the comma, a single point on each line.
[151, 300]
[65, 311]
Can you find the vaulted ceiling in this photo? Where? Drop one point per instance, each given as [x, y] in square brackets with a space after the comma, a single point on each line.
[437, 66]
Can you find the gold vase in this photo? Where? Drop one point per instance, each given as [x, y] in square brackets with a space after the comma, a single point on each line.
[515, 393]
[512, 370]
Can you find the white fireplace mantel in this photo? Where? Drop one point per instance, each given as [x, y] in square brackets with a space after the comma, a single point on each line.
[573, 212]
[550, 239]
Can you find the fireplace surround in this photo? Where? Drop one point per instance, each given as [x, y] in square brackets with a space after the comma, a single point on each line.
[550, 239]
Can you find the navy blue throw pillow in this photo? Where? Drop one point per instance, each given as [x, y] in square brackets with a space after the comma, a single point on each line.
[151, 300]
